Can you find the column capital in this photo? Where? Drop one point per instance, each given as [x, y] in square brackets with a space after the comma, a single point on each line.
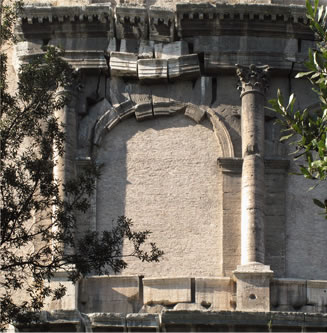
[252, 79]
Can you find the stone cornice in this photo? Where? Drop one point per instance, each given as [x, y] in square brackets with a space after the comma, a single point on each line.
[188, 19]
[78, 14]
[220, 34]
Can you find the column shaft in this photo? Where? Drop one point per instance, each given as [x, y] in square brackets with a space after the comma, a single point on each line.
[253, 85]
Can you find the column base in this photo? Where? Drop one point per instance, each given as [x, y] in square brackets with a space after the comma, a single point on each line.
[253, 287]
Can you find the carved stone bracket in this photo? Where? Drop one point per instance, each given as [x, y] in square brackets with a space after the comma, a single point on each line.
[252, 79]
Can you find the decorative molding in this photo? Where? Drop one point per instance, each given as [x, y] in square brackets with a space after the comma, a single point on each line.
[252, 79]
[60, 14]
[131, 22]
[85, 32]
[159, 24]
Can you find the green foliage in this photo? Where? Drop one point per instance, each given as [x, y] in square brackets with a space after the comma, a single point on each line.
[38, 212]
[309, 128]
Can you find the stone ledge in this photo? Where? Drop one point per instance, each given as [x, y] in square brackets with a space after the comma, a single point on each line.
[170, 320]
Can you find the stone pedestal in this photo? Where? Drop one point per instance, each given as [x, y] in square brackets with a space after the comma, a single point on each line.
[253, 287]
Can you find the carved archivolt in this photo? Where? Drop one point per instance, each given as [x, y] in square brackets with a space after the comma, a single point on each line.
[103, 117]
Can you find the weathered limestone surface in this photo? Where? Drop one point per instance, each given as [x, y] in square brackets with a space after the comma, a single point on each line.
[109, 294]
[253, 84]
[288, 294]
[152, 69]
[253, 293]
[215, 293]
[166, 291]
[161, 24]
[162, 172]
[184, 67]
[231, 169]
[150, 172]
[123, 64]
[317, 296]
[275, 210]
[70, 300]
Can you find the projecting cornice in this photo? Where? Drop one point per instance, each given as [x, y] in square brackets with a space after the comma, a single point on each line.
[160, 43]
[160, 24]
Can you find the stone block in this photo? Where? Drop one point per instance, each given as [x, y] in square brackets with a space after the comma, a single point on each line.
[146, 49]
[166, 291]
[125, 109]
[184, 67]
[152, 69]
[171, 50]
[117, 91]
[142, 99]
[288, 294]
[123, 64]
[105, 123]
[156, 308]
[81, 44]
[109, 294]
[253, 292]
[87, 124]
[164, 106]
[27, 48]
[214, 293]
[317, 295]
[143, 111]
[189, 307]
[112, 45]
[162, 24]
[316, 320]
[129, 46]
[148, 320]
[105, 320]
[195, 113]
[69, 301]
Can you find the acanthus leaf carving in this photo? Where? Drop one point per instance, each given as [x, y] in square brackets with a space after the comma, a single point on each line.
[252, 78]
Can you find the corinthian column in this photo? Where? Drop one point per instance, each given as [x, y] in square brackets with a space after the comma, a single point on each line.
[253, 84]
[252, 276]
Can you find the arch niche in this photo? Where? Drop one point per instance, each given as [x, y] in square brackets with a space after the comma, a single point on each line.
[162, 173]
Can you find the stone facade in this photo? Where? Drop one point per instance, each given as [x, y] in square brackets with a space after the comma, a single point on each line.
[190, 152]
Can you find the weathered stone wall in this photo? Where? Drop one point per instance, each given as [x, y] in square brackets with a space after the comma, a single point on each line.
[163, 174]
[162, 170]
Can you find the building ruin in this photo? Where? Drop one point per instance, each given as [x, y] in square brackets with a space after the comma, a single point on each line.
[172, 103]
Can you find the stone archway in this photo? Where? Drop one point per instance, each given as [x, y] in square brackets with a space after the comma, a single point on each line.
[163, 174]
